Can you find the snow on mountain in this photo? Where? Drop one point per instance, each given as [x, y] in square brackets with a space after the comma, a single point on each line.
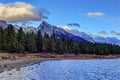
[92, 38]
[30, 29]
[46, 28]
[27, 29]
[108, 40]
[64, 31]
[77, 33]
[65, 28]
[49, 29]
[113, 40]
[59, 32]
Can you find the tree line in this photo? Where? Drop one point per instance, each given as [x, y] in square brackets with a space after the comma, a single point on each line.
[20, 42]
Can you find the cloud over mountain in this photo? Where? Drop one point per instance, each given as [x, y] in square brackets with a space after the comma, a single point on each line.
[115, 32]
[20, 11]
[74, 24]
[103, 32]
[65, 27]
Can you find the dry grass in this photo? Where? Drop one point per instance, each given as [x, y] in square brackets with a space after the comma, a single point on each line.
[7, 56]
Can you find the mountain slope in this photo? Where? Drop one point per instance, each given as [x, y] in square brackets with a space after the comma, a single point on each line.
[94, 38]
[59, 32]
[27, 29]
[80, 34]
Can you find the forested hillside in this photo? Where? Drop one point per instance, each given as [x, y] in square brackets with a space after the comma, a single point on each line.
[19, 42]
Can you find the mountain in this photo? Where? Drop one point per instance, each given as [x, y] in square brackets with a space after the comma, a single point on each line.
[93, 38]
[80, 34]
[45, 27]
[27, 29]
[108, 40]
[59, 32]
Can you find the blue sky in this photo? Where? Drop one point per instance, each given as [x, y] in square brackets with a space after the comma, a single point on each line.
[99, 17]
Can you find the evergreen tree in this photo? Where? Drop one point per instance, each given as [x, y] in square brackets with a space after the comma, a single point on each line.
[46, 43]
[1, 38]
[30, 43]
[53, 43]
[76, 48]
[10, 42]
[39, 42]
[21, 40]
[58, 47]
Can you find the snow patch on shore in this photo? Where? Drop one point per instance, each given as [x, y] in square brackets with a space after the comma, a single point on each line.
[13, 75]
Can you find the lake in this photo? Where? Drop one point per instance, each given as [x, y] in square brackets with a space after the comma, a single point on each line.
[100, 69]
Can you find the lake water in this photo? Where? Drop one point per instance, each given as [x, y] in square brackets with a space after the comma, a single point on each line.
[106, 69]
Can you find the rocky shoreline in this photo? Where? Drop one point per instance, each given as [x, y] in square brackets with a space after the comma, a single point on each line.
[6, 65]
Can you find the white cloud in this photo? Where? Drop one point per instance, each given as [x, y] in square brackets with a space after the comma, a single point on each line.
[65, 27]
[19, 11]
[94, 14]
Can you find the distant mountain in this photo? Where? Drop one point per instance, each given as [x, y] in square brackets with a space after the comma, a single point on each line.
[27, 29]
[45, 27]
[94, 38]
[108, 40]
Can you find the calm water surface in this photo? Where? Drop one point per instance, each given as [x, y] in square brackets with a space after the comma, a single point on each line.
[106, 69]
